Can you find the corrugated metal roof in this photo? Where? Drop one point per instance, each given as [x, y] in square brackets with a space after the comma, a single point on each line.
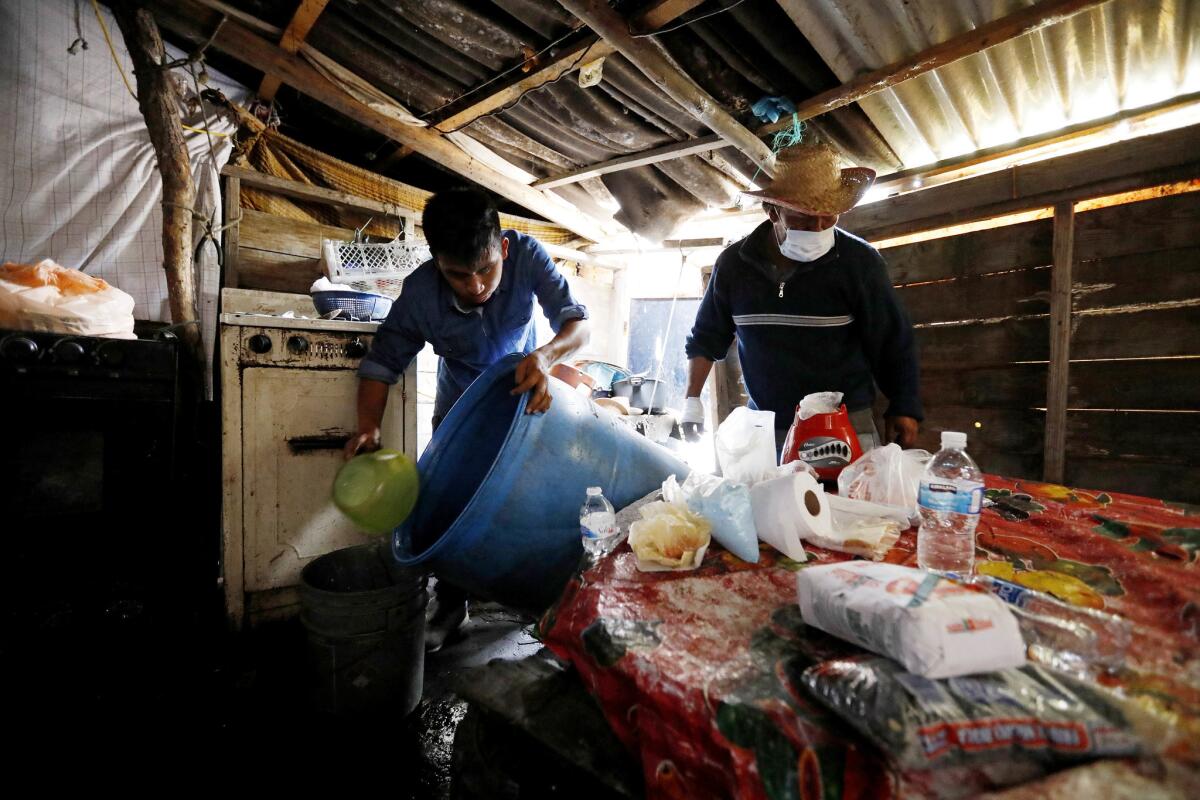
[427, 53]
[1119, 55]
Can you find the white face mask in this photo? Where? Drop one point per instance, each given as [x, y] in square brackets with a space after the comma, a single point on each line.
[807, 245]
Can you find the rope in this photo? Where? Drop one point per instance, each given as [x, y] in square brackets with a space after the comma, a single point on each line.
[785, 138]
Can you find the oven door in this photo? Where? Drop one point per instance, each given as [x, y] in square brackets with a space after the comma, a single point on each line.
[295, 424]
[91, 505]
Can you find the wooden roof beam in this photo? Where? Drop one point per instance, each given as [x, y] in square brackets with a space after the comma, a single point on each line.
[993, 33]
[244, 45]
[293, 36]
[649, 57]
[586, 50]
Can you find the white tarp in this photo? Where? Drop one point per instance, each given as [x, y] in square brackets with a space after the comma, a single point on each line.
[78, 180]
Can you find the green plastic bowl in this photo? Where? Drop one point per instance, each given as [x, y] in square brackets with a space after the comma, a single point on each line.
[377, 491]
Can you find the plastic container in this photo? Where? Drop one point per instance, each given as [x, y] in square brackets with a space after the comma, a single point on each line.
[377, 491]
[949, 500]
[362, 306]
[376, 267]
[498, 513]
[598, 524]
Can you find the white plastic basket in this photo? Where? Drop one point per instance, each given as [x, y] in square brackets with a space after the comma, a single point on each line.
[378, 268]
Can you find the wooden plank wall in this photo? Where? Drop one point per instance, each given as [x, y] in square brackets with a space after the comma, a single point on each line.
[980, 304]
[279, 254]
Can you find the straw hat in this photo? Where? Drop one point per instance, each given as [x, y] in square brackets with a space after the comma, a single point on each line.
[809, 179]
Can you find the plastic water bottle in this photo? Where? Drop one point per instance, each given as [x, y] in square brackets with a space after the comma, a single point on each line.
[949, 500]
[598, 523]
[1069, 638]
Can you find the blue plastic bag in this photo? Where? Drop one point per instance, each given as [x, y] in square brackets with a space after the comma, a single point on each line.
[726, 506]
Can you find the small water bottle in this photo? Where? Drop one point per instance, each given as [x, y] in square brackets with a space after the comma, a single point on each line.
[949, 500]
[598, 523]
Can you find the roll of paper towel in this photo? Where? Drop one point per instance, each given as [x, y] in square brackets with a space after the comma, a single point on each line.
[787, 510]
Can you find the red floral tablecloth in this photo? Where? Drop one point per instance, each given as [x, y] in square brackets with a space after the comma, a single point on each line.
[696, 671]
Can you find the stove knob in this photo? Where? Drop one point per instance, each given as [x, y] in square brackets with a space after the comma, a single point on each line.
[20, 348]
[356, 348]
[298, 344]
[260, 343]
[110, 355]
[67, 352]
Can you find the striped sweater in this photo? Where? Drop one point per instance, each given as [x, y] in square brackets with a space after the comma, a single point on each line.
[834, 324]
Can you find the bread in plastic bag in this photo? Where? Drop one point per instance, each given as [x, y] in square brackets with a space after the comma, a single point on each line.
[1029, 714]
[669, 536]
[886, 475]
[935, 627]
[54, 299]
[746, 446]
[726, 506]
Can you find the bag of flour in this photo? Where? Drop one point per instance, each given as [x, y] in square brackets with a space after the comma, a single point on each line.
[933, 626]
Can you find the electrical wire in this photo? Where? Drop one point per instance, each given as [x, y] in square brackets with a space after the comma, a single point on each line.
[688, 22]
[112, 49]
[500, 75]
[520, 97]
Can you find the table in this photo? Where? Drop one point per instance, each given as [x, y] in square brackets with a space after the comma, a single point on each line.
[695, 670]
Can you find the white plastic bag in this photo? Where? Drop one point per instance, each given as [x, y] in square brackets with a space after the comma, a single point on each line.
[934, 627]
[54, 299]
[886, 475]
[819, 403]
[746, 445]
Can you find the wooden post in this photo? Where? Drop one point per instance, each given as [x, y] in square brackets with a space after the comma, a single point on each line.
[230, 238]
[1060, 342]
[159, 103]
[649, 57]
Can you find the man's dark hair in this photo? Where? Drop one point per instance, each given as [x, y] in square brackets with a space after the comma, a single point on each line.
[461, 225]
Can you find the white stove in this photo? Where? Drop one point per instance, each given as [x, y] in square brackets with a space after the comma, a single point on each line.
[289, 393]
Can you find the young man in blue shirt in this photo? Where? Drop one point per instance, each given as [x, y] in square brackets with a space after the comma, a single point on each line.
[474, 303]
[812, 307]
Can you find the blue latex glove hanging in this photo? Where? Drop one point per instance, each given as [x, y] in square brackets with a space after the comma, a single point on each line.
[770, 108]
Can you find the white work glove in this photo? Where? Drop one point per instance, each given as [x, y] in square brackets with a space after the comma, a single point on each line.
[692, 422]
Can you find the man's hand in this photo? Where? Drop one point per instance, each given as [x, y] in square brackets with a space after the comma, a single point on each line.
[692, 422]
[900, 429]
[533, 376]
[362, 443]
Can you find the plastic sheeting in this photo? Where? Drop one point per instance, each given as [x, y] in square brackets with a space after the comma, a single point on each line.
[78, 178]
[699, 673]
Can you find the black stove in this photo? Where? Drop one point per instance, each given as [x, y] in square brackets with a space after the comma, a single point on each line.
[38, 364]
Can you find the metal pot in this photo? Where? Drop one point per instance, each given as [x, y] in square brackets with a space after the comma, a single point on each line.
[642, 392]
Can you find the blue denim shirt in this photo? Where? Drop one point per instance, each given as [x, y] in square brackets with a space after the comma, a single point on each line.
[470, 340]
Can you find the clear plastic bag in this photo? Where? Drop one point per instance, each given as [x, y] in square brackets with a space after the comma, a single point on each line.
[746, 446]
[669, 536]
[886, 475]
